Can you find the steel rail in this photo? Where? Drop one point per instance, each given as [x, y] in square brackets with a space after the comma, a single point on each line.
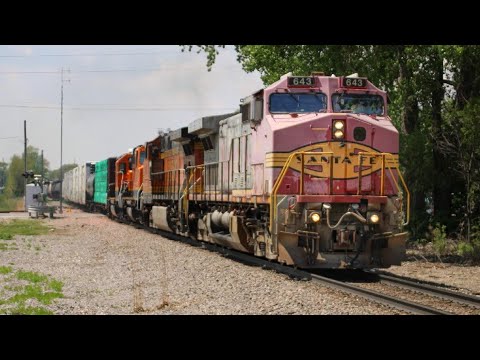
[391, 301]
[431, 290]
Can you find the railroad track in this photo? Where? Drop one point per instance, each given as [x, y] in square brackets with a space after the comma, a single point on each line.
[378, 296]
[405, 305]
[437, 291]
[412, 295]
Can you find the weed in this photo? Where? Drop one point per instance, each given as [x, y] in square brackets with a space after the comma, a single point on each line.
[439, 239]
[9, 204]
[13, 288]
[5, 270]
[40, 287]
[31, 276]
[35, 292]
[29, 310]
[56, 285]
[5, 246]
[470, 250]
[21, 227]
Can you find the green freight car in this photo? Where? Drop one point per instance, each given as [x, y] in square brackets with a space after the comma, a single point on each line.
[104, 182]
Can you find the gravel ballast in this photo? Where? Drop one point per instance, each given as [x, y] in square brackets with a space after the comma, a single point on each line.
[112, 268]
[464, 277]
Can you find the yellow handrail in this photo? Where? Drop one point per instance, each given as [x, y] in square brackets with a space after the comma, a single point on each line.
[404, 185]
[382, 180]
[280, 177]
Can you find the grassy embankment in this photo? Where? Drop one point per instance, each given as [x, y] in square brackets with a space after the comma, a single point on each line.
[27, 292]
[21, 227]
[24, 292]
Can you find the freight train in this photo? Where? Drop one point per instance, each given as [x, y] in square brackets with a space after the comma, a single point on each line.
[305, 173]
[53, 189]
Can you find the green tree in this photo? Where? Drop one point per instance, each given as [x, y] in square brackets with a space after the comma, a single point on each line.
[55, 174]
[15, 180]
[462, 146]
[3, 173]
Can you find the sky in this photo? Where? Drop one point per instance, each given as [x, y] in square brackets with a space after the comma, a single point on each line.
[114, 97]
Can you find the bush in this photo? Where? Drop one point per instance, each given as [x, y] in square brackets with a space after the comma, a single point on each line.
[439, 239]
[10, 204]
[469, 250]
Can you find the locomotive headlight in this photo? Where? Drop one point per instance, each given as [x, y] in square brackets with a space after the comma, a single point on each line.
[315, 217]
[338, 134]
[374, 218]
[338, 125]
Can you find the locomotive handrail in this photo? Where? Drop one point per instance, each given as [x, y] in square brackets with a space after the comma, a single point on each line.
[164, 172]
[205, 177]
[406, 189]
[164, 187]
[185, 195]
[284, 171]
[382, 179]
[207, 164]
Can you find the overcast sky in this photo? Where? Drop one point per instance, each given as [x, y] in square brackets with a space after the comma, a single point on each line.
[168, 89]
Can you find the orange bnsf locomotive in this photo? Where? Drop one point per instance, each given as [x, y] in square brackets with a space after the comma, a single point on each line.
[306, 174]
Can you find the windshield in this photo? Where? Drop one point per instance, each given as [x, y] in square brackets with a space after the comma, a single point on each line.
[298, 102]
[358, 103]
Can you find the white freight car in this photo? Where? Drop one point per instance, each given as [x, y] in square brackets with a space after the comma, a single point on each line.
[75, 183]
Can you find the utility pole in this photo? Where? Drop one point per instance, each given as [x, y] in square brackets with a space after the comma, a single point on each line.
[42, 167]
[25, 160]
[61, 145]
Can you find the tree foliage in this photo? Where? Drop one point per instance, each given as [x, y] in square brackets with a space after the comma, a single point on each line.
[210, 50]
[15, 181]
[55, 174]
[462, 146]
[3, 173]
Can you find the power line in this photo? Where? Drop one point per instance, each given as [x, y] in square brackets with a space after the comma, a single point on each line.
[169, 68]
[10, 137]
[100, 108]
[86, 54]
[124, 105]
[126, 70]
[147, 109]
[29, 72]
[30, 107]
[80, 71]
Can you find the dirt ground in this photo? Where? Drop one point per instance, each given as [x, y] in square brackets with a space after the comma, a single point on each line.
[463, 277]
